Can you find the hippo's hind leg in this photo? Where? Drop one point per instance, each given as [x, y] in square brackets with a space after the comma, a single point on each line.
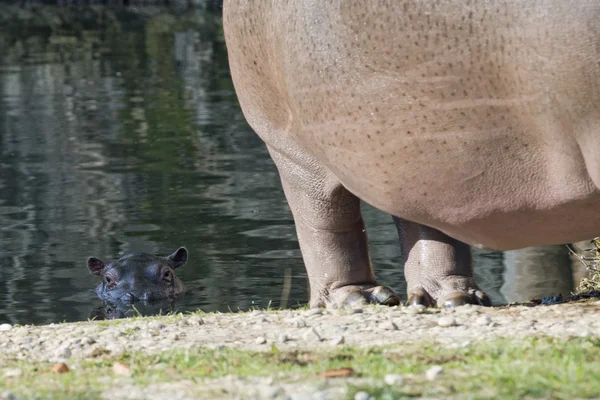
[438, 268]
[331, 234]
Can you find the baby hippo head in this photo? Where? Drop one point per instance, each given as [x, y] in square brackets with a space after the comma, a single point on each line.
[139, 277]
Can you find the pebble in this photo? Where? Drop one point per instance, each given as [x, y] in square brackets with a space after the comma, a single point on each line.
[260, 340]
[446, 322]
[483, 320]
[467, 309]
[60, 368]
[434, 372]
[63, 352]
[88, 341]
[13, 373]
[393, 379]
[121, 369]
[282, 338]
[525, 325]
[5, 327]
[362, 396]
[357, 311]
[156, 326]
[338, 340]
[311, 335]
[7, 396]
[271, 392]
[197, 321]
[314, 311]
[298, 323]
[388, 326]
[415, 309]
[22, 331]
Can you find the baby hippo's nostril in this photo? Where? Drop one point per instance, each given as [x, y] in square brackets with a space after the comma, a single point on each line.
[128, 298]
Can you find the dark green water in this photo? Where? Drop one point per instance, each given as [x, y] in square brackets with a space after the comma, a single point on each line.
[126, 136]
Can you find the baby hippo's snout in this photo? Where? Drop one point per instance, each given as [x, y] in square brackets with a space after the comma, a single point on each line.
[139, 277]
[128, 298]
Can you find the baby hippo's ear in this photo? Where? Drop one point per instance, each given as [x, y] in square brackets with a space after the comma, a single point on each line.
[95, 265]
[179, 258]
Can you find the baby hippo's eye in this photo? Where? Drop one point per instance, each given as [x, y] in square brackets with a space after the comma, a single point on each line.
[110, 282]
[167, 275]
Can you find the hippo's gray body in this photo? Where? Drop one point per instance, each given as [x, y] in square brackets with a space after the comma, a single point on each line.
[471, 122]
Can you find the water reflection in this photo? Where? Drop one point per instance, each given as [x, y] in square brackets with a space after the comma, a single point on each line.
[139, 145]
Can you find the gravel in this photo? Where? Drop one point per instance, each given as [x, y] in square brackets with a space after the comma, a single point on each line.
[304, 329]
[290, 330]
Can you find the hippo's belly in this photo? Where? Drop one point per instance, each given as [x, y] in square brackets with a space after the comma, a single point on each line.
[499, 172]
[499, 191]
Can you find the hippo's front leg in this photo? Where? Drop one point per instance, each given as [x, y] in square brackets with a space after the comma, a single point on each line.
[331, 233]
[438, 268]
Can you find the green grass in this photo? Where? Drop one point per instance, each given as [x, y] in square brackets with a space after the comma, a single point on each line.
[528, 368]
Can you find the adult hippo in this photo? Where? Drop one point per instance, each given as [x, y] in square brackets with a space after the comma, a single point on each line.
[471, 122]
[139, 277]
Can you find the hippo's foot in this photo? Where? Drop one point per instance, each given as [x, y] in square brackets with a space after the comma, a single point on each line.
[356, 295]
[452, 292]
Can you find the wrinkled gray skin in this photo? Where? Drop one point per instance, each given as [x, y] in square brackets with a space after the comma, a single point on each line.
[139, 277]
[472, 122]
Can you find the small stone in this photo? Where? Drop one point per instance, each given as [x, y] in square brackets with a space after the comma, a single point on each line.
[484, 320]
[415, 309]
[362, 396]
[195, 321]
[314, 311]
[87, 341]
[283, 338]
[388, 326]
[298, 323]
[338, 340]
[5, 327]
[7, 396]
[115, 348]
[21, 332]
[121, 369]
[174, 336]
[271, 392]
[257, 312]
[60, 368]
[526, 325]
[13, 373]
[311, 335]
[467, 309]
[434, 372]
[260, 340]
[393, 379]
[63, 352]
[98, 352]
[446, 322]
[357, 311]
